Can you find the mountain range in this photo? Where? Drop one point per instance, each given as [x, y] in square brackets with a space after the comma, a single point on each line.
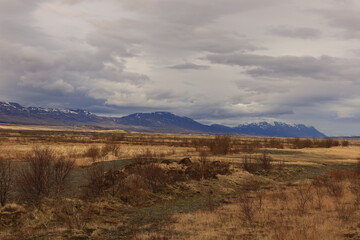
[163, 122]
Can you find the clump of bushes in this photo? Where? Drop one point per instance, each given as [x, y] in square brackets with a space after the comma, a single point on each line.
[145, 177]
[298, 143]
[45, 175]
[221, 145]
[257, 162]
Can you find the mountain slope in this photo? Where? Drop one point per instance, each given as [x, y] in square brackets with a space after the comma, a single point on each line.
[163, 122]
[278, 129]
[145, 122]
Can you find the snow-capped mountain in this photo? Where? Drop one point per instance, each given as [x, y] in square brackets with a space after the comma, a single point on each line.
[15, 113]
[145, 122]
[278, 129]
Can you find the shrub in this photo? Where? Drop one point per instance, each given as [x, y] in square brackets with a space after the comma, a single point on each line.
[152, 174]
[247, 206]
[146, 156]
[335, 188]
[220, 145]
[96, 184]
[255, 163]
[248, 164]
[61, 169]
[93, 152]
[6, 177]
[203, 164]
[303, 196]
[35, 180]
[265, 161]
[345, 143]
[275, 143]
[45, 174]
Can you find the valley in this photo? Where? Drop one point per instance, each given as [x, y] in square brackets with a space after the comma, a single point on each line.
[124, 185]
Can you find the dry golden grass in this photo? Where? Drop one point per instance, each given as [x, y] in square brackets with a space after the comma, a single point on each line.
[21, 139]
[275, 214]
[284, 212]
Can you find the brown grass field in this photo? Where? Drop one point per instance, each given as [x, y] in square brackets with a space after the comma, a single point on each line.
[171, 186]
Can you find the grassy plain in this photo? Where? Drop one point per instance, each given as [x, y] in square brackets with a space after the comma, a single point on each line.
[300, 193]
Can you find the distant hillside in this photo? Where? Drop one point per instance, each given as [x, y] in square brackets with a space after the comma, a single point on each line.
[279, 129]
[145, 122]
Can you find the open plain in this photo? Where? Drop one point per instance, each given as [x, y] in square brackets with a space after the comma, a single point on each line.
[121, 185]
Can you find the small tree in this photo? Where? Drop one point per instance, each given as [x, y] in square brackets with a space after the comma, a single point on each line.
[6, 174]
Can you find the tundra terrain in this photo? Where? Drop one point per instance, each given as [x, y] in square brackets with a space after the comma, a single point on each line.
[65, 183]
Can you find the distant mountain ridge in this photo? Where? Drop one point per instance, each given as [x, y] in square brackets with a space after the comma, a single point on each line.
[164, 122]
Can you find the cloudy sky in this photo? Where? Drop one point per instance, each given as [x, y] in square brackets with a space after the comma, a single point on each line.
[224, 62]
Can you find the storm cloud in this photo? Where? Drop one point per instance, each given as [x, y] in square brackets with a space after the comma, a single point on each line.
[218, 62]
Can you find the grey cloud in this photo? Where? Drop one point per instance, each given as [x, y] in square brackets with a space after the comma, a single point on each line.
[163, 95]
[131, 38]
[198, 12]
[231, 111]
[71, 2]
[114, 61]
[296, 32]
[189, 66]
[322, 68]
[345, 19]
[32, 61]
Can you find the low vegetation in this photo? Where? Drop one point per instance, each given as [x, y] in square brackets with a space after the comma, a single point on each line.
[114, 185]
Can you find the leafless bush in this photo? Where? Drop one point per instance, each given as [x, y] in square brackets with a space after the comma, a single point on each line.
[93, 152]
[303, 196]
[249, 164]
[335, 189]
[248, 209]
[133, 188]
[275, 143]
[256, 163]
[298, 143]
[152, 174]
[6, 177]
[35, 179]
[45, 174]
[61, 169]
[318, 186]
[203, 164]
[265, 161]
[147, 156]
[96, 181]
[345, 143]
[220, 145]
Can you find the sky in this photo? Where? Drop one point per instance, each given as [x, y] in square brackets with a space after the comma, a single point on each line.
[224, 62]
